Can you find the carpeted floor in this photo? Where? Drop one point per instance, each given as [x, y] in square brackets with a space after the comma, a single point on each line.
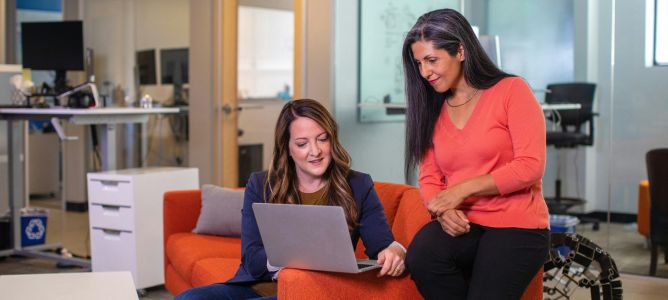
[626, 246]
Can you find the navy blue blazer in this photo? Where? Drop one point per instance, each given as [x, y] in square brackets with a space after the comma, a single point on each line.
[373, 227]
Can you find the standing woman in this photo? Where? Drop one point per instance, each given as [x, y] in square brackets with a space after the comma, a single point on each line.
[478, 136]
[309, 167]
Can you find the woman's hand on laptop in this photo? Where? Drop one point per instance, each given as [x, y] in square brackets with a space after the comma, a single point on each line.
[392, 260]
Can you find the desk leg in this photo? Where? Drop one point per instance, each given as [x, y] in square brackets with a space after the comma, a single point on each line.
[108, 146]
[18, 197]
[143, 159]
[16, 182]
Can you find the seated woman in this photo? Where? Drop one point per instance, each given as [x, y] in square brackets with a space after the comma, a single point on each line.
[478, 135]
[309, 167]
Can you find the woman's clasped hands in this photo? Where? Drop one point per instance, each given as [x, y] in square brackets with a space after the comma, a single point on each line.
[444, 207]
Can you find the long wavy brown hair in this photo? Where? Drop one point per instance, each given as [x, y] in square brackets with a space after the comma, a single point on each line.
[282, 181]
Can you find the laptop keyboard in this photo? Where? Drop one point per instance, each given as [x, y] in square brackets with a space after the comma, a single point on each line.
[362, 266]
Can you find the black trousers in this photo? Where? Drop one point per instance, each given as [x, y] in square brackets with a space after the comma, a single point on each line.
[486, 263]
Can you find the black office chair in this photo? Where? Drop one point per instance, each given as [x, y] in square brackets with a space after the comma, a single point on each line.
[657, 173]
[572, 134]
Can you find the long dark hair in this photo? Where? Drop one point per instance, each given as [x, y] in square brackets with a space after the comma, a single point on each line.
[282, 179]
[446, 29]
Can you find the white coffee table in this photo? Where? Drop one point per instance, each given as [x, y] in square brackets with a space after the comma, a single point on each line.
[69, 286]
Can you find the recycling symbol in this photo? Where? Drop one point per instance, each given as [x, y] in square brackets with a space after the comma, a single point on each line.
[35, 229]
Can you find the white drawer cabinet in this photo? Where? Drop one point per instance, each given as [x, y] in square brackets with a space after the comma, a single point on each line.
[125, 211]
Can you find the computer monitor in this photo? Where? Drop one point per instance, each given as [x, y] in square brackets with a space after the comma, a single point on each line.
[56, 46]
[174, 66]
[146, 66]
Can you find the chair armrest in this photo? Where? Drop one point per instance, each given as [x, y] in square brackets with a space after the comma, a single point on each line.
[180, 211]
[591, 128]
[303, 284]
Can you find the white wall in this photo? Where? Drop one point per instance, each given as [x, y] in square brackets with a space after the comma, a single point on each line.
[203, 117]
[598, 57]
[162, 24]
[318, 66]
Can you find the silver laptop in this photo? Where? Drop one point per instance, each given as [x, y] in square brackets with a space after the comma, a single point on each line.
[311, 237]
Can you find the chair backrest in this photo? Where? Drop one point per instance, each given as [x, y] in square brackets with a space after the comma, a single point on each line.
[575, 92]
[657, 173]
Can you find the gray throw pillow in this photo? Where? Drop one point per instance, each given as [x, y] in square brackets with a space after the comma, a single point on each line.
[221, 211]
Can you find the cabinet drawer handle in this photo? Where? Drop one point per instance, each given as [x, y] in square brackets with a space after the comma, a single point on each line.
[110, 183]
[111, 232]
[111, 209]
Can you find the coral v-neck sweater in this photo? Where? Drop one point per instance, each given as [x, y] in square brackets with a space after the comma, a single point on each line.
[504, 137]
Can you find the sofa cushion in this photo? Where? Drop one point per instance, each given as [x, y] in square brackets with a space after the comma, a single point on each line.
[214, 270]
[183, 250]
[221, 211]
[411, 216]
[390, 194]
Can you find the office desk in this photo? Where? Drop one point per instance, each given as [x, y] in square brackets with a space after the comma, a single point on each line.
[107, 118]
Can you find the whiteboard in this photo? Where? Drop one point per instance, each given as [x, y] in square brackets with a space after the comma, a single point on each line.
[383, 27]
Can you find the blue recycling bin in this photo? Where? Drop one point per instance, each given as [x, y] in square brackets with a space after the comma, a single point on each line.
[563, 224]
[33, 226]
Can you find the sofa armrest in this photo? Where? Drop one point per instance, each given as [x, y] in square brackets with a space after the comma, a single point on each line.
[180, 211]
[303, 284]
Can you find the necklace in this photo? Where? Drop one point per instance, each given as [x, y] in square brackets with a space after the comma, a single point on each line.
[468, 99]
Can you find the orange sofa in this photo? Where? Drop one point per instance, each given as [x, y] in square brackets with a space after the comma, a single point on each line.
[193, 260]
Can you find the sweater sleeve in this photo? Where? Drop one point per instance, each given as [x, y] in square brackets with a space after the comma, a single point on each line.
[374, 229]
[431, 179]
[526, 125]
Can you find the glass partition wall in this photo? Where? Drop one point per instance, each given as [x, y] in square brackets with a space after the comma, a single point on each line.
[578, 41]
[610, 44]
[637, 124]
